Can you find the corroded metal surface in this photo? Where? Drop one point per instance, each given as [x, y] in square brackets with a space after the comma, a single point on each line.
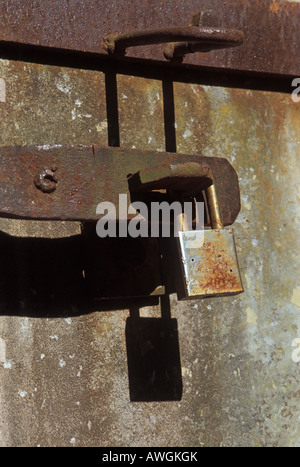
[81, 26]
[187, 177]
[64, 377]
[209, 264]
[84, 176]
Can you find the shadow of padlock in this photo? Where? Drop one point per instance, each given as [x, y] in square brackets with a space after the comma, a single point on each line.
[153, 356]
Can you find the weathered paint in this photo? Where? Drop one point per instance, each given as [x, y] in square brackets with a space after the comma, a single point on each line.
[51, 105]
[65, 379]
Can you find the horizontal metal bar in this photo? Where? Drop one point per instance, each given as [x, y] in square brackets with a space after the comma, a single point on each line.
[81, 177]
[81, 26]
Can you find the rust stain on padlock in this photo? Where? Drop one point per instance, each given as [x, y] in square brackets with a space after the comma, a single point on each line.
[210, 268]
[220, 271]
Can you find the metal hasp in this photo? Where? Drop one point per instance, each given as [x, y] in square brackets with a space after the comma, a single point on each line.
[68, 182]
[86, 175]
[208, 264]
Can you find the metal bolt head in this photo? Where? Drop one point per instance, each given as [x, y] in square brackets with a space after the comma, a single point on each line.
[207, 18]
[46, 180]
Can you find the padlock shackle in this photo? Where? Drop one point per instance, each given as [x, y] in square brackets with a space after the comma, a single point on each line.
[184, 178]
[213, 207]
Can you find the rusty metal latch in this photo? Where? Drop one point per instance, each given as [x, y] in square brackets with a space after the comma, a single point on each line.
[68, 182]
[62, 182]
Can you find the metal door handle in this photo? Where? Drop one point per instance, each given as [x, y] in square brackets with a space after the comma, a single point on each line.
[190, 39]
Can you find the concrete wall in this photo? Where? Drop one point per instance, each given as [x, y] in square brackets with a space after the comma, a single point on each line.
[63, 368]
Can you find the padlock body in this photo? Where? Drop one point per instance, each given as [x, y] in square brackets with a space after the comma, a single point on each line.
[209, 264]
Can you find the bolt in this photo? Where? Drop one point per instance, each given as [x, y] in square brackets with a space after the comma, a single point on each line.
[207, 18]
[46, 180]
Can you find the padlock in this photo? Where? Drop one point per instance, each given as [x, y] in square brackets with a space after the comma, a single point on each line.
[204, 262]
[208, 260]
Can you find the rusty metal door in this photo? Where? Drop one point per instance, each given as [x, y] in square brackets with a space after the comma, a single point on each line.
[67, 363]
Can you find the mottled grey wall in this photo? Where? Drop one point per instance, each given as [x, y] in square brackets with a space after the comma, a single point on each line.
[63, 376]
